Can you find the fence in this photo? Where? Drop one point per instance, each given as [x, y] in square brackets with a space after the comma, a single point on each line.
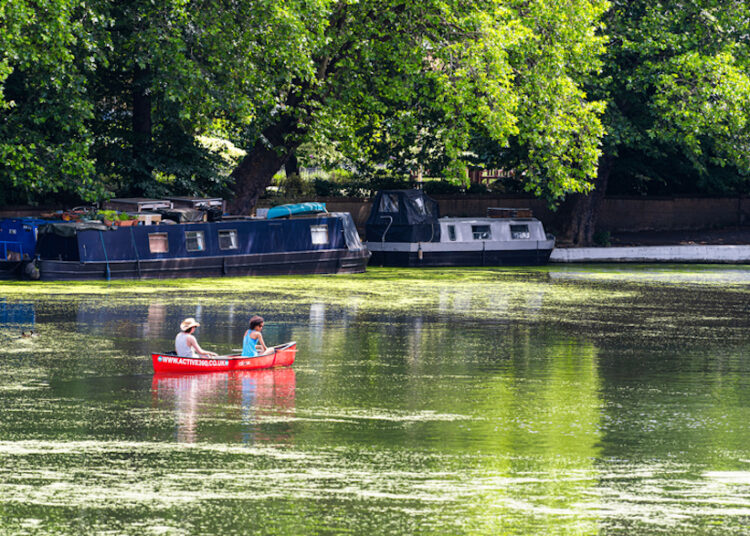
[617, 214]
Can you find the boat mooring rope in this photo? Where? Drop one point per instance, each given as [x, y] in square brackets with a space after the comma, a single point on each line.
[106, 260]
[135, 249]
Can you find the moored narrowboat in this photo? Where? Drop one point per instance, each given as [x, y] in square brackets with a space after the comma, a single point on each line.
[405, 229]
[320, 244]
[17, 245]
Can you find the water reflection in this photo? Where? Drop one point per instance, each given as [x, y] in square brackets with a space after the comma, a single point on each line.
[610, 405]
[14, 314]
[259, 400]
[498, 300]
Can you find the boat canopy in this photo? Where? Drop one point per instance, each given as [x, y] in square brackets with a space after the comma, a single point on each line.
[293, 209]
[403, 216]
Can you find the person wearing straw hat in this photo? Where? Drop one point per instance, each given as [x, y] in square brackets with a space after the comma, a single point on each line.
[185, 344]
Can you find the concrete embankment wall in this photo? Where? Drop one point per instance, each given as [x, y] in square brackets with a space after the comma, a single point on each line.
[618, 213]
[649, 254]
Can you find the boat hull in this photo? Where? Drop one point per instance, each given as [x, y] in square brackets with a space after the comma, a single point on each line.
[11, 269]
[293, 263]
[283, 356]
[441, 254]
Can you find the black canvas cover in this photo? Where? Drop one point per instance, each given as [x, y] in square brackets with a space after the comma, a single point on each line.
[182, 214]
[403, 216]
[70, 229]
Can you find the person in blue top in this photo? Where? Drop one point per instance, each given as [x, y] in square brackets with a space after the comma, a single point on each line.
[252, 342]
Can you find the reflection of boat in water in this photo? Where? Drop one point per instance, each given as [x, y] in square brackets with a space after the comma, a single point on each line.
[252, 395]
[282, 356]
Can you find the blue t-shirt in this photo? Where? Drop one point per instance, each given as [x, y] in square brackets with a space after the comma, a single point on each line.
[248, 345]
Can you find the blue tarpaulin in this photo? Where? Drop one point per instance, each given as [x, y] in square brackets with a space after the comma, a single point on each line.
[295, 208]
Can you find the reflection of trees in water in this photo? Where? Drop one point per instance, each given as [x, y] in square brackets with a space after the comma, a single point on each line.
[244, 399]
[493, 300]
[528, 400]
[14, 314]
[317, 325]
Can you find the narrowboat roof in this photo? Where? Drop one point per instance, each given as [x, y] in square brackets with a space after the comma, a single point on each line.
[137, 203]
[196, 202]
[454, 219]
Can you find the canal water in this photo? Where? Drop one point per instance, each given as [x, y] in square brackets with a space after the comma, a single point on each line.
[574, 400]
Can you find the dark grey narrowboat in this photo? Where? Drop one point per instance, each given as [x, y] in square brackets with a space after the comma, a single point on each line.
[322, 244]
[405, 229]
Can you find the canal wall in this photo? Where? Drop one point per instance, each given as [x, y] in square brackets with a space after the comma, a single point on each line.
[649, 254]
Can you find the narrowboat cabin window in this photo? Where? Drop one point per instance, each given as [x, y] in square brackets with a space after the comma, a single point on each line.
[520, 232]
[481, 232]
[228, 239]
[319, 234]
[157, 243]
[452, 233]
[194, 241]
[388, 203]
[420, 206]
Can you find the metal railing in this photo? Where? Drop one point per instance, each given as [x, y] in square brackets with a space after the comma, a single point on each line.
[6, 243]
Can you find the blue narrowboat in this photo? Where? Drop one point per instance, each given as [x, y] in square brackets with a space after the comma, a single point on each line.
[17, 245]
[321, 243]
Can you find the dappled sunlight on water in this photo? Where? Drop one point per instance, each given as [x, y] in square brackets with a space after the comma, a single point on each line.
[585, 400]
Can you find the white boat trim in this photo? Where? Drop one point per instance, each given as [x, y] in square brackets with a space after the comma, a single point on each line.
[478, 245]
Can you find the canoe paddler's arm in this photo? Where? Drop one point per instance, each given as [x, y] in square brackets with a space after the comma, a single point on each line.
[261, 345]
[193, 343]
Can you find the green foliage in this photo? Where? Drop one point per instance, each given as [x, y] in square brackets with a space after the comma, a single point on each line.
[110, 215]
[441, 187]
[404, 85]
[602, 238]
[47, 49]
[419, 87]
[677, 82]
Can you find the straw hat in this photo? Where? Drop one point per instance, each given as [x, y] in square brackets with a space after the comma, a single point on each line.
[188, 323]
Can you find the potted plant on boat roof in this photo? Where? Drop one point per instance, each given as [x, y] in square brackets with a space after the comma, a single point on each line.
[107, 216]
[126, 220]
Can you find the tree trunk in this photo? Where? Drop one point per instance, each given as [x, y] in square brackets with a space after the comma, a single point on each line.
[292, 165]
[582, 211]
[142, 124]
[269, 154]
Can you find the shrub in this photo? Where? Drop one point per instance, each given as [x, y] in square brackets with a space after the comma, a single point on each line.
[602, 238]
[441, 187]
[477, 188]
[326, 188]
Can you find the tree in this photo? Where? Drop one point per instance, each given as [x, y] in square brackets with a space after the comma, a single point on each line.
[556, 149]
[151, 105]
[46, 52]
[402, 82]
[676, 80]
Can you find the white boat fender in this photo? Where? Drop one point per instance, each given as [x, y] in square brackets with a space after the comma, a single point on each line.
[31, 270]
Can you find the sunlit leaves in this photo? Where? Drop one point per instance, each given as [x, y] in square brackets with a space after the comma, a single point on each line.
[46, 52]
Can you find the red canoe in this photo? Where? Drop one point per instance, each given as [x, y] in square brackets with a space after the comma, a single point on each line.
[282, 356]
